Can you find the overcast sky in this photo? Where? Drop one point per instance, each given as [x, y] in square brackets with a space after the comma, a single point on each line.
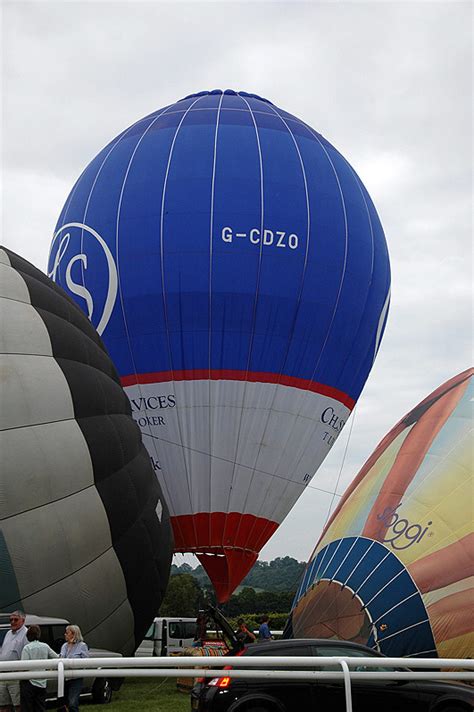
[389, 84]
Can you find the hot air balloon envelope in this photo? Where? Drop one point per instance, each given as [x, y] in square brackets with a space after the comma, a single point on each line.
[84, 530]
[237, 270]
[394, 567]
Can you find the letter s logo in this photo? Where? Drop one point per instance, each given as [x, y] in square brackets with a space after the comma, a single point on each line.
[78, 288]
[65, 245]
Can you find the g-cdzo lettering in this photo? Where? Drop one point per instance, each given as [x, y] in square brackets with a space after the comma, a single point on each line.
[265, 237]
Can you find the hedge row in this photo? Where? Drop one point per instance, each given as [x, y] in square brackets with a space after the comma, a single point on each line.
[252, 620]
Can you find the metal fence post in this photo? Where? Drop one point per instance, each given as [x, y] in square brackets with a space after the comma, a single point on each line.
[347, 684]
[60, 679]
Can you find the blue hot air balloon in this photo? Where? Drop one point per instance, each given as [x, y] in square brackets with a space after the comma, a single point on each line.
[237, 271]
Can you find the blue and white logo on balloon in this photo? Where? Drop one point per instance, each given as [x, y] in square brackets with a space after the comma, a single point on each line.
[78, 261]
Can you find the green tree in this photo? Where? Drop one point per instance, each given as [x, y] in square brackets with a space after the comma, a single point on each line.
[184, 597]
[281, 574]
[247, 600]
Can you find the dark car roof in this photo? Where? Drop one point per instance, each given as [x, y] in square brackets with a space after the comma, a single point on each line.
[280, 645]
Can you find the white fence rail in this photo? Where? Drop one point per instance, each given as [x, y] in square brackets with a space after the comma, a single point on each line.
[255, 668]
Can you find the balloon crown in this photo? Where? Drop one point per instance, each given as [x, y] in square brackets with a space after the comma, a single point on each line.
[231, 92]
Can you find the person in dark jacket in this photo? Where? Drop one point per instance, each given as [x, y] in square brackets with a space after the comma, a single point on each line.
[243, 634]
[201, 629]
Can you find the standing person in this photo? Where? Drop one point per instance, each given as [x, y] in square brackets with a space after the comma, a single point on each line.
[13, 644]
[264, 632]
[201, 630]
[74, 647]
[243, 634]
[33, 692]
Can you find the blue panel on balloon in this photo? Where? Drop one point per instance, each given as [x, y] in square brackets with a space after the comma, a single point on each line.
[386, 591]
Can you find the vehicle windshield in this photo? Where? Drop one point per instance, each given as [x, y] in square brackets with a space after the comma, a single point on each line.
[182, 629]
[150, 632]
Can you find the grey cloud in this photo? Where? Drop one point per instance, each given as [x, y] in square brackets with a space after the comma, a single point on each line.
[389, 84]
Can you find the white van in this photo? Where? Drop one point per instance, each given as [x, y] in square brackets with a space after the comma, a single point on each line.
[167, 636]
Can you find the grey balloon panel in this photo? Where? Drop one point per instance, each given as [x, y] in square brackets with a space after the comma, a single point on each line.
[74, 532]
[4, 259]
[45, 463]
[9, 588]
[99, 582]
[23, 330]
[111, 632]
[95, 598]
[34, 391]
[12, 286]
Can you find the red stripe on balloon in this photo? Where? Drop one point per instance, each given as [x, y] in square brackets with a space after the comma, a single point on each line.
[409, 458]
[208, 530]
[446, 566]
[204, 374]
[226, 544]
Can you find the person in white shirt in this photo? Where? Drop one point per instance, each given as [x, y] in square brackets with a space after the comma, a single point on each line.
[13, 644]
[33, 692]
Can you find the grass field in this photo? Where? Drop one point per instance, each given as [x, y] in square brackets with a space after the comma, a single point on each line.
[136, 694]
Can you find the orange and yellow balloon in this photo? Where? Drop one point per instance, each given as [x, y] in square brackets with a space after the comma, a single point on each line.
[394, 567]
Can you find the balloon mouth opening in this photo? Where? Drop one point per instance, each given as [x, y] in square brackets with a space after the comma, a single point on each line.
[332, 611]
[226, 568]
[228, 92]
[225, 543]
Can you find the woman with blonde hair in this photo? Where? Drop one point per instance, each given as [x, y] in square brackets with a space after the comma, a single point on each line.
[74, 647]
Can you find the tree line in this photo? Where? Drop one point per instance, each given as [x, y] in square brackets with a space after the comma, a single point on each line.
[281, 574]
[268, 588]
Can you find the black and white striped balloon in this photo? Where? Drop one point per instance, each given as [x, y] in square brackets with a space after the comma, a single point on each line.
[84, 529]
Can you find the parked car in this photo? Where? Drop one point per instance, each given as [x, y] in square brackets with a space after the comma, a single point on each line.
[52, 632]
[225, 694]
